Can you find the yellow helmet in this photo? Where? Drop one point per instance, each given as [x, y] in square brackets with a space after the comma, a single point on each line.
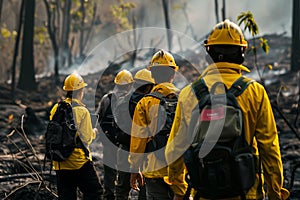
[74, 82]
[163, 58]
[226, 33]
[144, 75]
[123, 77]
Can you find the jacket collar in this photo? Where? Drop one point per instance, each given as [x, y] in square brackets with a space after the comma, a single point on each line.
[223, 67]
[69, 100]
[165, 88]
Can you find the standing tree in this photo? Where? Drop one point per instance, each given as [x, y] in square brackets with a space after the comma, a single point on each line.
[27, 73]
[88, 13]
[217, 11]
[121, 13]
[65, 49]
[295, 62]
[16, 51]
[223, 10]
[51, 24]
[1, 2]
[65, 21]
[82, 10]
[167, 20]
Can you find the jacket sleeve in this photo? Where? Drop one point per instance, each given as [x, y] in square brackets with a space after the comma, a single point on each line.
[179, 140]
[138, 139]
[268, 146]
[103, 106]
[85, 129]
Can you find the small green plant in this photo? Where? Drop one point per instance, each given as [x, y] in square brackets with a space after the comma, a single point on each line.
[250, 25]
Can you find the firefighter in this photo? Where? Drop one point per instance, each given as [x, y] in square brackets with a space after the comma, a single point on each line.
[123, 82]
[226, 46]
[143, 83]
[78, 171]
[144, 127]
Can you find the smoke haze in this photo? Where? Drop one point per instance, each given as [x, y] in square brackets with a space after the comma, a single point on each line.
[272, 16]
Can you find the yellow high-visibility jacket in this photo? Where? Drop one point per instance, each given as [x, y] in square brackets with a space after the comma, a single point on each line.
[86, 133]
[144, 125]
[259, 126]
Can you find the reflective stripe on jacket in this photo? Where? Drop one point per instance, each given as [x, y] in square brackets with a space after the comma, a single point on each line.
[259, 126]
[86, 133]
[145, 125]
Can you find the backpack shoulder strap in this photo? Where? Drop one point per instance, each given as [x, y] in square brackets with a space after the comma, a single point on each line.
[62, 106]
[200, 89]
[163, 99]
[240, 85]
[66, 105]
[157, 95]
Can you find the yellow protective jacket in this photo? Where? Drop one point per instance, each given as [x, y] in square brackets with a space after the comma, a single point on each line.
[144, 126]
[259, 126]
[86, 133]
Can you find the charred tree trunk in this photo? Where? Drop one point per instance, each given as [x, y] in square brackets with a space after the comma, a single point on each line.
[135, 42]
[51, 27]
[167, 20]
[295, 58]
[65, 34]
[82, 10]
[217, 11]
[224, 10]
[85, 31]
[27, 73]
[16, 50]
[93, 22]
[1, 2]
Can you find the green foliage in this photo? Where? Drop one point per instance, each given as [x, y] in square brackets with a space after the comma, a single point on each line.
[5, 32]
[120, 12]
[77, 16]
[249, 22]
[41, 34]
[250, 25]
[264, 45]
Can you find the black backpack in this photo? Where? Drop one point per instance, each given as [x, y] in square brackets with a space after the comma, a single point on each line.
[122, 118]
[60, 135]
[219, 161]
[107, 121]
[134, 99]
[166, 113]
[117, 119]
[123, 114]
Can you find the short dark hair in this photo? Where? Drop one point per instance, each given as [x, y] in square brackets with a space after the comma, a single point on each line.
[162, 73]
[226, 53]
[143, 88]
[71, 94]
